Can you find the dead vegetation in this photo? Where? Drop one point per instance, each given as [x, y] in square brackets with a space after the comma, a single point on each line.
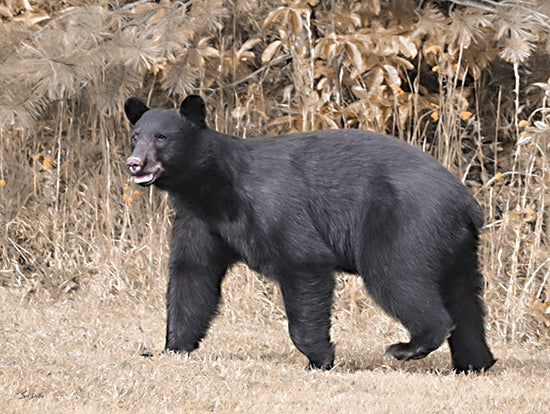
[466, 81]
[83, 354]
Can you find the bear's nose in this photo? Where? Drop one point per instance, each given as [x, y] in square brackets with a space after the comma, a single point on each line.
[134, 164]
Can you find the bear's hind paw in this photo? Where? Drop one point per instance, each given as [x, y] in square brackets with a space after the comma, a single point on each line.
[403, 351]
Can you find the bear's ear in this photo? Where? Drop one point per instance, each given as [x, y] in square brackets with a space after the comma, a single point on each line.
[194, 110]
[134, 108]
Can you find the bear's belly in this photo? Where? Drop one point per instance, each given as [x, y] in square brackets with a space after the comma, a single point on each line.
[281, 249]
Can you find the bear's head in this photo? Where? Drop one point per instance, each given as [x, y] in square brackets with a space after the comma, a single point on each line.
[162, 140]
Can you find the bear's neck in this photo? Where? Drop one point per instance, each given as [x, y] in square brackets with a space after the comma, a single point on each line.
[211, 188]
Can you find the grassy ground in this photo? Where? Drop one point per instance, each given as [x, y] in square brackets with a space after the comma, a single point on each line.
[84, 353]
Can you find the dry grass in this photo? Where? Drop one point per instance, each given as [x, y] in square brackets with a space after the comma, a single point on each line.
[83, 354]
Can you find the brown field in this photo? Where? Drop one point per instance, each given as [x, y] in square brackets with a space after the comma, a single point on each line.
[84, 354]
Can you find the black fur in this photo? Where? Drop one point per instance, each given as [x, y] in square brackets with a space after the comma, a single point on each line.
[299, 207]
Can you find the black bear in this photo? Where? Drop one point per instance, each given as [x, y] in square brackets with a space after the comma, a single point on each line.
[299, 207]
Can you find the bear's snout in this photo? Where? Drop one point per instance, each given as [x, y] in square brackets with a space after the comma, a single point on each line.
[143, 171]
[134, 164]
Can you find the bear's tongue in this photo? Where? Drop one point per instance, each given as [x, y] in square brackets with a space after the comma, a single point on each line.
[140, 179]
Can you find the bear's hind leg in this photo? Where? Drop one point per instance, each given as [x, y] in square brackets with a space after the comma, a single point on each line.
[469, 348]
[308, 299]
[462, 289]
[415, 301]
[422, 312]
[396, 265]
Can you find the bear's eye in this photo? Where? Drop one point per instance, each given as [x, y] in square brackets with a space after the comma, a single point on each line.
[159, 137]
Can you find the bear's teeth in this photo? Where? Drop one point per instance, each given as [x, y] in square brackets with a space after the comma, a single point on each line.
[140, 179]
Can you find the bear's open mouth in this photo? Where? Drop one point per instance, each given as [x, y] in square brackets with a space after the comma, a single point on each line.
[146, 178]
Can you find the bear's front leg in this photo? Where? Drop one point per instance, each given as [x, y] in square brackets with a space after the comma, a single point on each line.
[198, 262]
[308, 299]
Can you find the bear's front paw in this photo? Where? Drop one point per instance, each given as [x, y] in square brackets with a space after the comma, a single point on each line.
[323, 366]
[179, 348]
